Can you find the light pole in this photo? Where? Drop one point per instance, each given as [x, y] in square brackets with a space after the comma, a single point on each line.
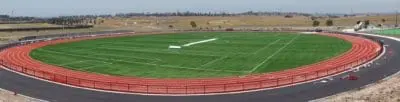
[397, 23]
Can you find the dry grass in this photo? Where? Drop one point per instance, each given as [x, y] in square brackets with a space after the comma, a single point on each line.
[3, 26]
[6, 96]
[239, 21]
[383, 91]
[386, 91]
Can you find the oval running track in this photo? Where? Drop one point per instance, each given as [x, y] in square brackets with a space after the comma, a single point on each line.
[52, 92]
[18, 57]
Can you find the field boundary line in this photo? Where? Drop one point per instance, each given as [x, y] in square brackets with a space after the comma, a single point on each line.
[73, 62]
[211, 70]
[88, 67]
[213, 61]
[275, 53]
[188, 51]
[268, 45]
[174, 67]
[94, 53]
[152, 51]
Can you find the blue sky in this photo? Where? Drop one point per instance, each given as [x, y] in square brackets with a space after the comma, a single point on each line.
[46, 8]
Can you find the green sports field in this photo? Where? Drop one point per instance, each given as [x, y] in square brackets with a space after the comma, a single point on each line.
[203, 54]
[389, 32]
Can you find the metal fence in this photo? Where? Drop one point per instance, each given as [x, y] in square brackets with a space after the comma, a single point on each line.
[182, 89]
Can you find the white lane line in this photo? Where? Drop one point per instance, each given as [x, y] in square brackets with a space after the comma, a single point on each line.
[213, 61]
[198, 42]
[275, 53]
[255, 52]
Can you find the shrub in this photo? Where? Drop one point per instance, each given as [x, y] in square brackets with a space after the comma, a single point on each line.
[329, 22]
[193, 24]
[229, 29]
[315, 23]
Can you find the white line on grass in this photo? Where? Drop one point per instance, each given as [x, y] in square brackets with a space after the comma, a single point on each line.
[203, 69]
[255, 52]
[213, 61]
[88, 67]
[73, 62]
[275, 53]
[153, 51]
[170, 66]
[186, 50]
[198, 42]
[94, 53]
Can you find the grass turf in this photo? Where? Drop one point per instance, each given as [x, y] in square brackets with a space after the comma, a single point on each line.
[389, 32]
[234, 53]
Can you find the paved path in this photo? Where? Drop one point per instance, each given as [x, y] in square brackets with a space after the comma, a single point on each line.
[58, 93]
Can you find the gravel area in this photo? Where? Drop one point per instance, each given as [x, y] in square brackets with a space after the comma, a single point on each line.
[7, 96]
[387, 90]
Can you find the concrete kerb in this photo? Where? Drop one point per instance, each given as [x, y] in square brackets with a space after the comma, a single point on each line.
[200, 94]
[384, 51]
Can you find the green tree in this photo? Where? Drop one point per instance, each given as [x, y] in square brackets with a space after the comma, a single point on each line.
[366, 23]
[315, 23]
[193, 24]
[383, 20]
[329, 22]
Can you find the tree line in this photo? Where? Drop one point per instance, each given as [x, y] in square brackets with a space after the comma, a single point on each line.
[188, 13]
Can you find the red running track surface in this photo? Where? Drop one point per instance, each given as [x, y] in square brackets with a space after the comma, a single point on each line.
[18, 59]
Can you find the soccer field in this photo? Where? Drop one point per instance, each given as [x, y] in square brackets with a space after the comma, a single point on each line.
[202, 54]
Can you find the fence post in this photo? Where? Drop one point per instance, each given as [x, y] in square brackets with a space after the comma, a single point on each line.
[147, 88]
[186, 89]
[66, 79]
[94, 84]
[129, 87]
[243, 86]
[305, 76]
[110, 85]
[204, 89]
[292, 79]
[277, 81]
[167, 89]
[224, 87]
[79, 82]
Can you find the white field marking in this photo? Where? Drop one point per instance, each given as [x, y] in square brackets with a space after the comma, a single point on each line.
[194, 51]
[213, 61]
[198, 42]
[104, 63]
[210, 94]
[153, 51]
[272, 43]
[94, 53]
[73, 62]
[154, 59]
[212, 70]
[275, 53]
[170, 66]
